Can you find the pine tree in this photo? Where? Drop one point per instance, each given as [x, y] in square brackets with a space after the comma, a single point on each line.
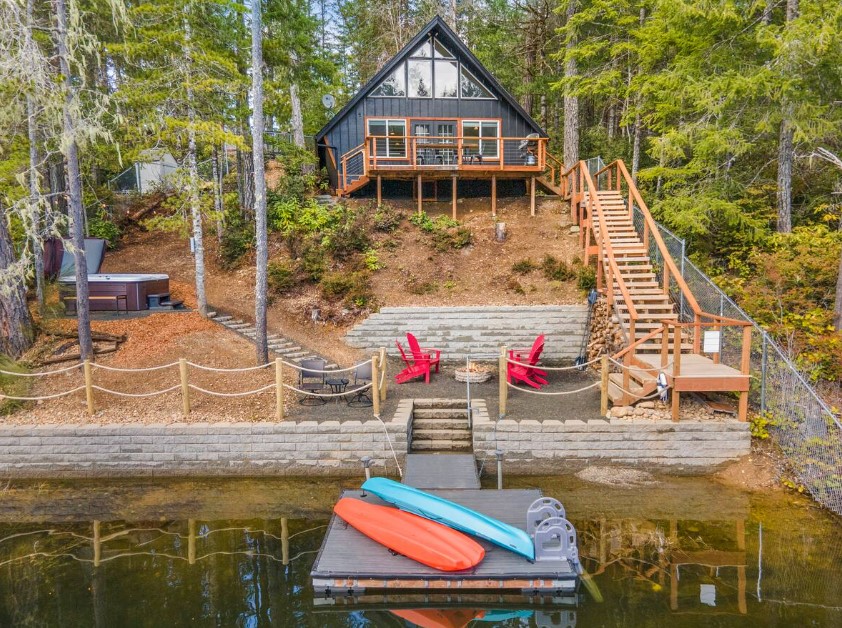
[261, 239]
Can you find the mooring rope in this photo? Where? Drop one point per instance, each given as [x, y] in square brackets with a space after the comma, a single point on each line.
[43, 397]
[557, 393]
[126, 394]
[553, 368]
[389, 440]
[232, 370]
[327, 395]
[128, 370]
[231, 394]
[42, 373]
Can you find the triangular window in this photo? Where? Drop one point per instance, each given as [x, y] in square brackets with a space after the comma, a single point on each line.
[394, 84]
[440, 51]
[471, 87]
[423, 51]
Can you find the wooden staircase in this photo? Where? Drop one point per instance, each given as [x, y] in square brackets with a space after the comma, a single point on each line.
[657, 340]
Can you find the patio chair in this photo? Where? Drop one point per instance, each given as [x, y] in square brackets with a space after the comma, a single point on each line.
[527, 374]
[419, 353]
[414, 368]
[531, 358]
[361, 395]
[311, 378]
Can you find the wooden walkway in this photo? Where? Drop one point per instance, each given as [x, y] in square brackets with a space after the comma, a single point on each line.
[349, 562]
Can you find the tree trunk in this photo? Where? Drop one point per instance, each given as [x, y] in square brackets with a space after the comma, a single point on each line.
[638, 132]
[571, 103]
[70, 149]
[216, 174]
[261, 243]
[766, 19]
[34, 191]
[295, 102]
[15, 321]
[786, 151]
[193, 176]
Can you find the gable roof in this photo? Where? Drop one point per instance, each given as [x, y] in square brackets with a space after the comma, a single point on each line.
[450, 39]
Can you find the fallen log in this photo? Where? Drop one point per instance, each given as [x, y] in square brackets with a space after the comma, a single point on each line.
[76, 356]
[97, 336]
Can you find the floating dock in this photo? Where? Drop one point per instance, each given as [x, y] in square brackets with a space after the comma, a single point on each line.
[348, 562]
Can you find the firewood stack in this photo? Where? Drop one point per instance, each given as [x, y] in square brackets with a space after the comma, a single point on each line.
[606, 334]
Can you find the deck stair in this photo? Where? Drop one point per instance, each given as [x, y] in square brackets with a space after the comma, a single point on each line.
[641, 296]
[441, 425]
[279, 345]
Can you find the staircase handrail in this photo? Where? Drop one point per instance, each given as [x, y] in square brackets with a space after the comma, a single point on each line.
[343, 163]
[634, 193]
[604, 243]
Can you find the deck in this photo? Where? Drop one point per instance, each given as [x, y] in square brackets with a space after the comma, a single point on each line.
[698, 373]
[349, 562]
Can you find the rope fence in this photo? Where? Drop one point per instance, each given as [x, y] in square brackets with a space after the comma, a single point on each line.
[377, 382]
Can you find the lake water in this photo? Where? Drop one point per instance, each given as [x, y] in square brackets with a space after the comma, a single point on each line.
[682, 552]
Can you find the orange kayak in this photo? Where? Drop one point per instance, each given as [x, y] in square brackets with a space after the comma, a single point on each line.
[425, 541]
[439, 618]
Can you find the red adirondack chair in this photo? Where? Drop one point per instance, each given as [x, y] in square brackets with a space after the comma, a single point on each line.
[527, 374]
[414, 368]
[432, 355]
[531, 358]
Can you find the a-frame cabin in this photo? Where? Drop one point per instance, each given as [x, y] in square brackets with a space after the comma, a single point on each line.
[432, 117]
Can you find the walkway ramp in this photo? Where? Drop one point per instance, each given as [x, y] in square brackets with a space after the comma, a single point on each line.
[443, 471]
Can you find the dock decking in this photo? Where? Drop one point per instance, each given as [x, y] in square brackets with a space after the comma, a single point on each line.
[349, 562]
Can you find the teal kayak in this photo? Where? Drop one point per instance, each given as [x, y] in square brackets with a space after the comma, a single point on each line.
[451, 514]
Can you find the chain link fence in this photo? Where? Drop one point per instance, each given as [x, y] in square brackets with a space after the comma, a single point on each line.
[806, 429]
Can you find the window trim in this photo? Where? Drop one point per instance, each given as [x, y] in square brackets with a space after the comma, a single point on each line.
[476, 80]
[481, 139]
[387, 121]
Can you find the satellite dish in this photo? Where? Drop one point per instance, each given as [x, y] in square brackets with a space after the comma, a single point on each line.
[328, 101]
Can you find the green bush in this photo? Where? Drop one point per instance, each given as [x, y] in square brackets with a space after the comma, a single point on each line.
[524, 266]
[372, 260]
[101, 226]
[586, 278]
[281, 277]
[300, 175]
[237, 240]
[313, 263]
[555, 269]
[349, 234]
[353, 288]
[387, 219]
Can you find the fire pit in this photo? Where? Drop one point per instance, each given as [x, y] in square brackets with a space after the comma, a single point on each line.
[474, 373]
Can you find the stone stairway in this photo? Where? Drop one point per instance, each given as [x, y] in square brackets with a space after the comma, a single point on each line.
[440, 425]
[478, 330]
[279, 345]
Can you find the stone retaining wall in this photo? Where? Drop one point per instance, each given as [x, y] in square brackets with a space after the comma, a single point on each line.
[480, 330]
[288, 448]
[548, 446]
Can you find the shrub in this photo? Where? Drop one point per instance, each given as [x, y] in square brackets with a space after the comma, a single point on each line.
[586, 278]
[372, 260]
[514, 285]
[312, 263]
[101, 226]
[556, 270]
[353, 288]
[349, 234]
[387, 219]
[237, 240]
[524, 266]
[281, 277]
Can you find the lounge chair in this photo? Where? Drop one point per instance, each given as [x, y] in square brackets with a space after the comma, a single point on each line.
[531, 358]
[311, 378]
[414, 368]
[527, 374]
[361, 394]
[419, 353]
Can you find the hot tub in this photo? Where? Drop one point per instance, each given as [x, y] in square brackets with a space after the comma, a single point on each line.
[135, 288]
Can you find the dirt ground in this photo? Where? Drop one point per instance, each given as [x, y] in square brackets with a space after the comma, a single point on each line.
[476, 275]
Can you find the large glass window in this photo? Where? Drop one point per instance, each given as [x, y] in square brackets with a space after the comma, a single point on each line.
[471, 87]
[447, 79]
[420, 78]
[394, 84]
[390, 137]
[481, 138]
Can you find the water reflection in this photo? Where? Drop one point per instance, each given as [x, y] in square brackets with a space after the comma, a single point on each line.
[723, 560]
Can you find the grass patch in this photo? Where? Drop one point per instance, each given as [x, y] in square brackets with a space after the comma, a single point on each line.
[556, 270]
[524, 266]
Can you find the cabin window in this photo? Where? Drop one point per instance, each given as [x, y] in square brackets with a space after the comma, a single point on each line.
[420, 78]
[390, 137]
[440, 51]
[394, 84]
[471, 87]
[447, 79]
[481, 137]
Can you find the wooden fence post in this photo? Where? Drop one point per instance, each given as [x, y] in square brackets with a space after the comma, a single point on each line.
[504, 390]
[603, 403]
[89, 387]
[375, 384]
[383, 373]
[279, 389]
[185, 388]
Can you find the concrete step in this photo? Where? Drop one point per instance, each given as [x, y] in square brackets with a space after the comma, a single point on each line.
[438, 424]
[426, 435]
[439, 403]
[440, 413]
[222, 319]
[443, 445]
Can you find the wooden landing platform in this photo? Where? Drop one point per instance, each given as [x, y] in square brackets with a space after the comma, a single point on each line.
[441, 471]
[701, 374]
[349, 562]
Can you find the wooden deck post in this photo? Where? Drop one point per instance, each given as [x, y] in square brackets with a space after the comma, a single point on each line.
[97, 542]
[279, 389]
[493, 196]
[191, 541]
[284, 541]
[676, 371]
[745, 369]
[185, 387]
[420, 195]
[453, 196]
[89, 387]
[532, 196]
[379, 190]
[741, 569]
[603, 402]
[383, 373]
[375, 384]
[504, 389]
